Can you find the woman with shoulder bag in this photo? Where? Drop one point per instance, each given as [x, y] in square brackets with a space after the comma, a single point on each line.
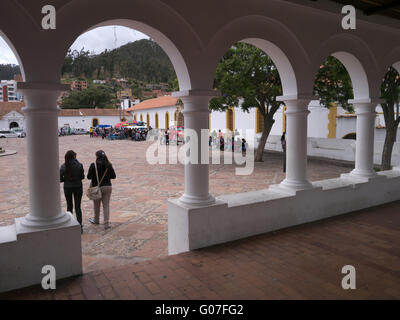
[104, 169]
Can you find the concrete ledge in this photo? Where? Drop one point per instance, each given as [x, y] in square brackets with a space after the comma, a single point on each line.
[7, 153]
[24, 251]
[243, 215]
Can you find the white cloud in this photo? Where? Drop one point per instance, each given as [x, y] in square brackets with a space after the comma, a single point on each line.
[96, 40]
[102, 38]
[6, 54]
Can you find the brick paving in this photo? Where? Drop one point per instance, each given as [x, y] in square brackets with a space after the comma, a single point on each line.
[140, 192]
[302, 262]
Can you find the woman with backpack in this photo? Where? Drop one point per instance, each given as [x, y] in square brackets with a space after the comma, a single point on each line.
[101, 172]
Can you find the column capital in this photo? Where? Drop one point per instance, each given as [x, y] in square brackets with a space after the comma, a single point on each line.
[196, 93]
[359, 101]
[26, 87]
[301, 98]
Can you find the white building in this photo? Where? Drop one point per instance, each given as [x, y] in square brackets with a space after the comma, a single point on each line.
[11, 116]
[85, 118]
[8, 91]
[158, 113]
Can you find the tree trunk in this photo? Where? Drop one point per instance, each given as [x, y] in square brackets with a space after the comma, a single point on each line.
[390, 138]
[268, 123]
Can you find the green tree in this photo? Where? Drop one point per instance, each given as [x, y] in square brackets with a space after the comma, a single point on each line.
[248, 78]
[333, 84]
[95, 96]
[390, 92]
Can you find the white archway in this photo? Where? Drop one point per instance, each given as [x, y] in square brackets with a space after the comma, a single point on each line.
[14, 51]
[167, 45]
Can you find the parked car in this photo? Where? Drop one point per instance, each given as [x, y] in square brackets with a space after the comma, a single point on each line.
[20, 132]
[7, 134]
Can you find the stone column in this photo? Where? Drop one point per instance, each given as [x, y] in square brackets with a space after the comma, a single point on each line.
[364, 164]
[195, 112]
[41, 113]
[296, 144]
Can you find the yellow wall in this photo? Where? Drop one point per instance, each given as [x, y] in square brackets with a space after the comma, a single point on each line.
[284, 120]
[166, 120]
[332, 121]
[230, 119]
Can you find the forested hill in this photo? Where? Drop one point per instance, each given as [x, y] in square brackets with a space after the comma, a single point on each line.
[8, 71]
[142, 60]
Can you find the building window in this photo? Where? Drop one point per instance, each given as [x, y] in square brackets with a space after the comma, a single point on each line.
[166, 120]
[156, 120]
[141, 117]
[230, 119]
[148, 120]
[135, 117]
[95, 122]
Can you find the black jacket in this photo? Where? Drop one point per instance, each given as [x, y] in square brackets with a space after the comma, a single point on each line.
[75, 177]
[107, 178]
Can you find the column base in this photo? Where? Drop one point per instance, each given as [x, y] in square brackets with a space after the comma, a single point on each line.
[360, 173]
[295, 185]
[45, 223]
[196, 201]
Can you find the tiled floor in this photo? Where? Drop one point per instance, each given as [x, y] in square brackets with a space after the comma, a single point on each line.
[140, 193]
[303, 262]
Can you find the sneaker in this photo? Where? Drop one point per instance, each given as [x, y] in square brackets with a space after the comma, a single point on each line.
[91, 220]
[107, 226]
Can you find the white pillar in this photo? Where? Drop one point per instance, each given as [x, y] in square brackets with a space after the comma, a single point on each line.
[296, 144]
[364, 164]
[41, 115]
[196, 175]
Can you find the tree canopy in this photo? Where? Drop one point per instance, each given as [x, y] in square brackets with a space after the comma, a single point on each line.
[248, 78]
[333, 84]
[98, 96]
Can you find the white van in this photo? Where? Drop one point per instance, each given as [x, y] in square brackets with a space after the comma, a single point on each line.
[4, 133]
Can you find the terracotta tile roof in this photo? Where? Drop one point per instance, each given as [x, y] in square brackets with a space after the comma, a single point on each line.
[7, 107]
[91, 112]
[165, 101]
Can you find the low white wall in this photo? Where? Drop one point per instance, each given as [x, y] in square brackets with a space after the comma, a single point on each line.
[243, 215]
[24, 251]
[339, 149]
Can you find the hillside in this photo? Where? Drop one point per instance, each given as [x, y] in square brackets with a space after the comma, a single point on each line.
[8, 71]
[142, 60]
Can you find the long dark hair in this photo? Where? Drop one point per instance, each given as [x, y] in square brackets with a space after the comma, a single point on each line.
[102, 159]
[69, 158]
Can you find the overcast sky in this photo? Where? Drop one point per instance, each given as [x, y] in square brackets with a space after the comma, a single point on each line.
[96, 40]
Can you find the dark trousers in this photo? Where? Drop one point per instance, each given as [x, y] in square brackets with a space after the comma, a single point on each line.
[284, 161]
[76, 193]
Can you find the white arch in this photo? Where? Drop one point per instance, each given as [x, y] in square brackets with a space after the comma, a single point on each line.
[358, 60]
[166, 44]
[357, 74]
[11, 46]
[396, 65]
[282, 63]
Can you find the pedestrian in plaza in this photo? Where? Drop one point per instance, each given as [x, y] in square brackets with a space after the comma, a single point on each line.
[166, 137]
[100, 173]
[72, 174]
[283, 143]
[244, 144]
[91, 132]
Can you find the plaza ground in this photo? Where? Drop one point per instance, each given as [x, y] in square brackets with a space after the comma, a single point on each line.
[140, 192]
[130, 259]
